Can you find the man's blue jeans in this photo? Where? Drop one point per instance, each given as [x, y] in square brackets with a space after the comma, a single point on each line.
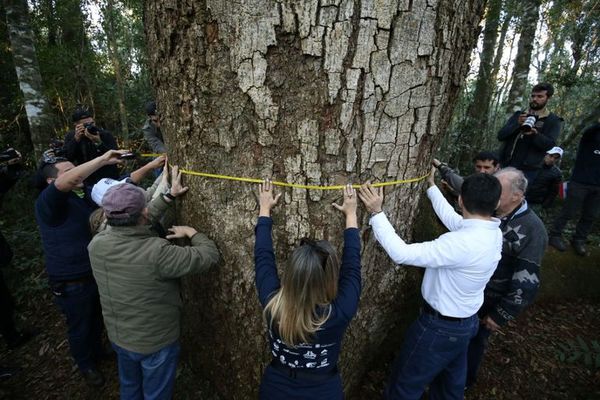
[80, 304]
[434, 353]
[477, 349]
[147, 376]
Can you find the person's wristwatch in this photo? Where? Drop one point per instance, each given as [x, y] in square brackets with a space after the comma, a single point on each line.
[374, 213]
[168, 195]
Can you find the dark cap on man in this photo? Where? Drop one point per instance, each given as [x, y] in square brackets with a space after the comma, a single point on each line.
[123, 201]
[81, 113]
[151, 108]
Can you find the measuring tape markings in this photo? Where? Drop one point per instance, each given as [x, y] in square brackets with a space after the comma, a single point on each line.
[286, 184]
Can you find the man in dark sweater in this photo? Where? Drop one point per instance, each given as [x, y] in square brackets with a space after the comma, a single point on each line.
[543, 190]
[517, 278]
[62, 213]
[583, 193]
[87, 142]
[525, 144]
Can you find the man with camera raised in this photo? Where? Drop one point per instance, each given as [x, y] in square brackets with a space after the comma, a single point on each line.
[528, 135]
[87, 142]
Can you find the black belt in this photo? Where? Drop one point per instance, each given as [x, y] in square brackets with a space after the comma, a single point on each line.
[427, 309]
[59, 287]
[302, 373]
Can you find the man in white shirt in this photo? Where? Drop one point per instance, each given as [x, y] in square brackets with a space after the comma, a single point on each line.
[457, 265]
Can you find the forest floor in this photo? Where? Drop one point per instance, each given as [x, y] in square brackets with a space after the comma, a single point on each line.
[551, 352]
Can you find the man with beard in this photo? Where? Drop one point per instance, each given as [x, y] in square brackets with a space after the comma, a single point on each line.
[528, 135]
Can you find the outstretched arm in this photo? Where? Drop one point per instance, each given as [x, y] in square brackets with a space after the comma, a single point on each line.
[267, 281]
[139, 174]
[75, 176]
[450, 218]
[349, 284]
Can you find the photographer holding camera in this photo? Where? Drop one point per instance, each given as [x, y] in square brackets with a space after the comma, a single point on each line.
[87, 142]
[528, 135]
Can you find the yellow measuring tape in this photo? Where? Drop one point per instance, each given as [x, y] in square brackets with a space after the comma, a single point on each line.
[286, 184]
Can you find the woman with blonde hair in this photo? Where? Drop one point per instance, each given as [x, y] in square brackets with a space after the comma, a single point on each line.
[309, 309]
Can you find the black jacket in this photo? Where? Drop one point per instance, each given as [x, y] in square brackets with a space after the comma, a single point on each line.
[544, 188]
[587, 163]
[526, 152]
[85, 150]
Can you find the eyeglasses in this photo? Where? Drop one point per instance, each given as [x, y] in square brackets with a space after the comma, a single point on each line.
[323, 254]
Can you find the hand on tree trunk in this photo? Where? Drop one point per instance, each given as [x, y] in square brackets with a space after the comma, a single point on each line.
[348, 207]
[431, 178]
[267, 198]
[371, 197]
[178, 232]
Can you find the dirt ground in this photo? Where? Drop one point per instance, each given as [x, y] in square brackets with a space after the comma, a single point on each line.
[551, 352]
[522, 363]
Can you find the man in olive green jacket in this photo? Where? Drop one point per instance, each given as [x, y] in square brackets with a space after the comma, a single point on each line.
[138, 279]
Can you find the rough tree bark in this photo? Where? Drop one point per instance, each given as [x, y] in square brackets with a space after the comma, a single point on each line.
[28, 74]
[317, 92]
[527, 29]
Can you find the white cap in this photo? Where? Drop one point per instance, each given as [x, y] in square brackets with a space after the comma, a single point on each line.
[555, 150]
[102, 186]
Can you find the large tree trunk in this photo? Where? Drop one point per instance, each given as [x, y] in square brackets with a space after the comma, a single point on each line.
[308, 92]
[28, 74]
[527, 29]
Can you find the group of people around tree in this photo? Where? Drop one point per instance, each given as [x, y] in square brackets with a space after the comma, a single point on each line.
[111, 263]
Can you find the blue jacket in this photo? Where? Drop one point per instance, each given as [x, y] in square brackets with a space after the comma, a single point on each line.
[321, 354]
[63, 220]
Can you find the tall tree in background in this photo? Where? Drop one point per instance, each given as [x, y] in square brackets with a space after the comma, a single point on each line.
[475, 129]
[28, 73]
[308, 92]
[527, 29]
[75, 45]
[110, 15]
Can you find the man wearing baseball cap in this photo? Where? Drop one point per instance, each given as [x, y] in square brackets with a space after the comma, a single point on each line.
[138, 279]
[543, 190]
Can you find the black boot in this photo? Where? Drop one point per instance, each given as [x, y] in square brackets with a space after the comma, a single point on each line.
[7, 372]
[557, 243]
[579, 247]
[93, 377]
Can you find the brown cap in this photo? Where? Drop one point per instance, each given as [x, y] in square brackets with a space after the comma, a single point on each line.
[123, 201]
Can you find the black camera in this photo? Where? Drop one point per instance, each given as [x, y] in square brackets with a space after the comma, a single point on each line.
[58, 147]
[91, 128]
[8, 155]
[529, 123]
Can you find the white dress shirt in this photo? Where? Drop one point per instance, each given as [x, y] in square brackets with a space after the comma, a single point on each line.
[458, 264]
